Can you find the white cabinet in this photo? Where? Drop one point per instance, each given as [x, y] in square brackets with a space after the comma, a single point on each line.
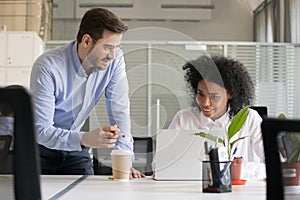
[23, 48]
[2, 48]
[20, 49]
[2, 77]
[19, 76]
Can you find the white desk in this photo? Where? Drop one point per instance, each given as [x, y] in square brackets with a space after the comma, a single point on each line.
[100, 187]
[149, 189]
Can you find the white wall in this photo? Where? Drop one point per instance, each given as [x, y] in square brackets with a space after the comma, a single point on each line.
[230, 22]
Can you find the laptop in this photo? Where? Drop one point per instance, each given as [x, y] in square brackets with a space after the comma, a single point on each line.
[179, 155]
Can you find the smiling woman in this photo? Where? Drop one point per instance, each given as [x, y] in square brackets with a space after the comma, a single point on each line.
[212, 99]
[219, 88]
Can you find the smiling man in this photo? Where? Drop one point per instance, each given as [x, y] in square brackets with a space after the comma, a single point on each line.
[66, 84]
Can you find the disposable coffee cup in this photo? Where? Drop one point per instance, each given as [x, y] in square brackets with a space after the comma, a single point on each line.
[121, 164]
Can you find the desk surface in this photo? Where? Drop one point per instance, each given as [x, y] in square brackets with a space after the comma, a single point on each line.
[95, 187]
[148, 189]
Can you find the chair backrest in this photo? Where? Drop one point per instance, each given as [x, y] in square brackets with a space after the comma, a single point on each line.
[272, 129]
[5, 141]
[26, 162]
[262, 110]
[102, 161]
[143, 150]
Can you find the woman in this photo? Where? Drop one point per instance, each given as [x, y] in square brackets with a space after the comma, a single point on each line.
[220, 87]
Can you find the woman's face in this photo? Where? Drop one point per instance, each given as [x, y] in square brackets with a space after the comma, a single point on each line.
[212, 99]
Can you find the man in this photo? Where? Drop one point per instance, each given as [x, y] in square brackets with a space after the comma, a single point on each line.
[66, 84]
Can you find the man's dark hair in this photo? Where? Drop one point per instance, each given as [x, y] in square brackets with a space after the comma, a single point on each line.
[96, 20]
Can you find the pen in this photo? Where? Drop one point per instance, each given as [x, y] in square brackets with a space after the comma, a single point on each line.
[206, 147]
[206, 150]
[224, 179]
[234, 151]
[115, 132]
[208, 171]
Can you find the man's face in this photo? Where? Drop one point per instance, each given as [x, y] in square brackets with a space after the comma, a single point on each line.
[104, 50]
[212, 99]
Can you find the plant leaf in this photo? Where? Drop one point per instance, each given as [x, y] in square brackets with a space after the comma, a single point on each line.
[210, 137]
[235, 141]
[295, 137]
[281, 116]
[293, 157]
[237, 122]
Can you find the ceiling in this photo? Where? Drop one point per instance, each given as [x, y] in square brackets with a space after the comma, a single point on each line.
[251, 5]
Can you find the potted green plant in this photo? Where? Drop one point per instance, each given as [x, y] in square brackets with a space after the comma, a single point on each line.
[294, 138]
[291, 166]
[236, 124]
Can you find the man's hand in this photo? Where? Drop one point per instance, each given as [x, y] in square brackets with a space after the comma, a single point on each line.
[102, 137]
[136, 174]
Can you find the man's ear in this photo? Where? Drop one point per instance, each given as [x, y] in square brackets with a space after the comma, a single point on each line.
[86, 40]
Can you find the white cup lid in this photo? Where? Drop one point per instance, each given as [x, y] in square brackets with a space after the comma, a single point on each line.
[120, 152]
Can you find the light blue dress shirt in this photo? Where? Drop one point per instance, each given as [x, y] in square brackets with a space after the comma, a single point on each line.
[64, 96]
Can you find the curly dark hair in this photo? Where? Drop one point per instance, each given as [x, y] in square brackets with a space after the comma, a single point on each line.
[226, 72]
[96, 20]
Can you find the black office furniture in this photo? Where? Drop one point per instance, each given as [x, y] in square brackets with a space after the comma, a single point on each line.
[272, 128]
[26, 164]
[5, 141]
[143, 150]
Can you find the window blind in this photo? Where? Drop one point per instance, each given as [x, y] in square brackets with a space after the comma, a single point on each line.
[154, 72]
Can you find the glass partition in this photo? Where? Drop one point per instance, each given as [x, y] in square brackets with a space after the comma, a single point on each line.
[158, 91]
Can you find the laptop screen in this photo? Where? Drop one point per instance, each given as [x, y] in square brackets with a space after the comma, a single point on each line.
[179, 155]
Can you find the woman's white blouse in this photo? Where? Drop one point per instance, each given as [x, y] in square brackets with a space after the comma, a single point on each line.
[250, 148]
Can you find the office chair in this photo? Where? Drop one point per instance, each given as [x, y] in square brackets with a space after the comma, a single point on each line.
[143, 150]
[272, 128]
[262, 110]
[5, 141]
[102, 161]
[26, 164]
